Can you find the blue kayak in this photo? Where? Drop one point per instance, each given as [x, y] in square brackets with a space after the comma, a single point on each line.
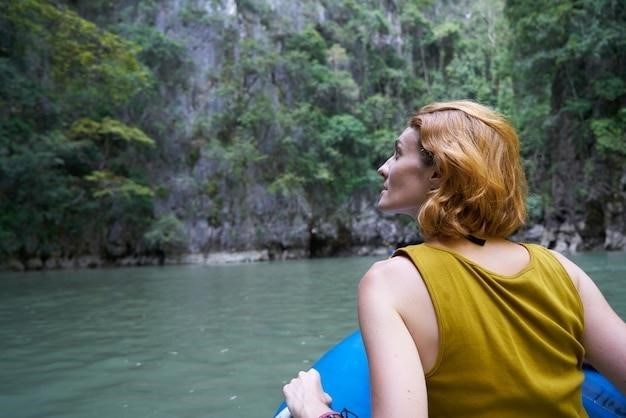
[345, 377]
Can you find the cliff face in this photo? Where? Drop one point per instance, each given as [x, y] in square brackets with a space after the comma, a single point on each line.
[270, 118]
[246, 216]
[291, 225]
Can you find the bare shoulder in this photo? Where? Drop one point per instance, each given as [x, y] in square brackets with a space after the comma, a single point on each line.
[389, 273]
[395, 279]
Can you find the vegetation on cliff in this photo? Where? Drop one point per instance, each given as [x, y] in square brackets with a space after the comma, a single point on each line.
[122, 126]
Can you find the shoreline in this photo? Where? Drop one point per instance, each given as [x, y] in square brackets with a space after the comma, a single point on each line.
[564, 239]
[218, 258]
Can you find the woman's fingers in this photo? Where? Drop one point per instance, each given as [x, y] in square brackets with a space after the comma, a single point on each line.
[305, 394]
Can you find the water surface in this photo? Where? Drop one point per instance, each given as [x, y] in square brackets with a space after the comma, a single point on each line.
[192, 341]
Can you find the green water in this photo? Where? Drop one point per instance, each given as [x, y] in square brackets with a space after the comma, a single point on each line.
[183, 341]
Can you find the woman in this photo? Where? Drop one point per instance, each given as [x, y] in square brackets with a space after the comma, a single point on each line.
[470, 324]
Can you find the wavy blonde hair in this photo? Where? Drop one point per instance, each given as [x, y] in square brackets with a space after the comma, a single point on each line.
[476, 152]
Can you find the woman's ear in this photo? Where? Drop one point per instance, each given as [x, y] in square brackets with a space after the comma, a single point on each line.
[435, 180]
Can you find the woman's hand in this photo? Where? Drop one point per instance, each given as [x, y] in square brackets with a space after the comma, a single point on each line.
[305, 396]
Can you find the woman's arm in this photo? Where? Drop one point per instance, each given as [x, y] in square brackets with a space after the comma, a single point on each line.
[396, 374]
[605, 332]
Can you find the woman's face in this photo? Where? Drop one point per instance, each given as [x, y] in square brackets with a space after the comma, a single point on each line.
[407, 179]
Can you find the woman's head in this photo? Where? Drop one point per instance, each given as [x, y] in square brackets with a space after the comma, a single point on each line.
[409, 176]
[480, 187]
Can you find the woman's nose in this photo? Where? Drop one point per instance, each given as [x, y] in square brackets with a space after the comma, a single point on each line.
[383, 169]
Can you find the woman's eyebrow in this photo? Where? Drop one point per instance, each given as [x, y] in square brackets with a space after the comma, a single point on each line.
[396, 143]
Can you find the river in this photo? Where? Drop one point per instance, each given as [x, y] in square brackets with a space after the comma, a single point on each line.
[184, 341]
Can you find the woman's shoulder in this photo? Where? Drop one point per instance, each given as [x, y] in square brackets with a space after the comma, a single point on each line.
[396, 279]
[392, 269]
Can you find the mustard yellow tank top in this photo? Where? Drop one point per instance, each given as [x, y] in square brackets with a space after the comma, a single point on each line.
[509, 346]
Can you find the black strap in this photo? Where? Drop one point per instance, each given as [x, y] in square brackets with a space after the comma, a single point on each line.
[475, 240]
[347, 414]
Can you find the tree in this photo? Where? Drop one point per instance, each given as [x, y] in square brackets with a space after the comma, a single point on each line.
[570, 80]
[59, 70]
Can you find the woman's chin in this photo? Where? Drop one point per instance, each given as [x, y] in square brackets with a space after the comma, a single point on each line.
[385, 207]
[389, 209]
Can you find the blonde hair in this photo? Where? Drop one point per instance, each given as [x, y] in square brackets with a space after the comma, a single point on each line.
[482, 189]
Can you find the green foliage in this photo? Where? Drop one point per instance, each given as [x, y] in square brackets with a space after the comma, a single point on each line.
[165, 57]
[61, 187]
[310, 44]
[534, 207]
[108, 185]
[72, 58]
[167, 234]
[343, 94]
[42, 207]
[89, 110]
[378, 112]
[345, 149]
[108, 130]
[570, 90]
[610, 135]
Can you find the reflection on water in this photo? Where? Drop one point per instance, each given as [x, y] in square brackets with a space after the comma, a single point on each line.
[183, 341]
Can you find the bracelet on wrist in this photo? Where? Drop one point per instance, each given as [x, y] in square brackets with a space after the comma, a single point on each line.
[331, 414]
